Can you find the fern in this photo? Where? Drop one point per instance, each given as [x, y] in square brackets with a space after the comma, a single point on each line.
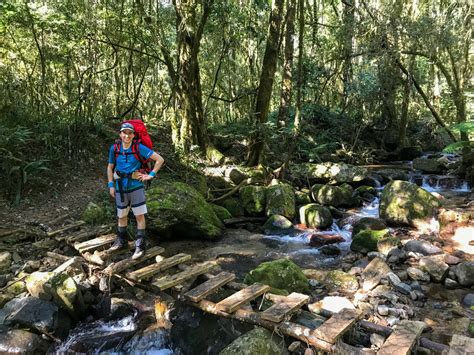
[457, 146]
[466, 127]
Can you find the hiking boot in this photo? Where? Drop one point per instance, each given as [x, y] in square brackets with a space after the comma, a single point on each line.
[139, 252]
[119, 243]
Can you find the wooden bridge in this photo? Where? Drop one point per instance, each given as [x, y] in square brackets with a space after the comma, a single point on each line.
[179, 275]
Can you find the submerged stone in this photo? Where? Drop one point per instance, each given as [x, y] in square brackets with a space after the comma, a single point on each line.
[257, 341]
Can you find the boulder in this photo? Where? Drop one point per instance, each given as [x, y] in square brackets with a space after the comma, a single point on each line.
[38, 286]
[236, 174]
[67, 294]
[417, 274]
[19, 341]
[221, 212]
[257, 341]
[253, 199]
[283, 275]
[280, 200]
[5, 262]
[332, 195]
[435, 266]
[465, 273]
[404, 203]
[277, 224]
[233, 205]
[328, 172]
[95, 214]
[340, 281]
[177, 209]
[369, 223]
[422, 247]
[303, 197]
[386, 245]
[315, 216]
[367, 193]
[44, 316]
[367, 240]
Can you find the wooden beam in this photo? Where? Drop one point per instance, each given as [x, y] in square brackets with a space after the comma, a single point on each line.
[126, 263]
[296, 331]
[403, 338]
[166, 282]
[233, 302]
[200, 292]
[94, 243]
[332, 329]
[284, 307]
[150, 270]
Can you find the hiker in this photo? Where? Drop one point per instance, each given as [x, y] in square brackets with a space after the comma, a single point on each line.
[128, 189]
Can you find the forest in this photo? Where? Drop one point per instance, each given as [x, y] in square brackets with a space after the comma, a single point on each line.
[275, 118]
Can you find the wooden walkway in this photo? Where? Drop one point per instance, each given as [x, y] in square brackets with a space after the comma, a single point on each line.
[179, 273]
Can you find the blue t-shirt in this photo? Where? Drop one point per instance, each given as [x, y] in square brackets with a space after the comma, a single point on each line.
[128, 163]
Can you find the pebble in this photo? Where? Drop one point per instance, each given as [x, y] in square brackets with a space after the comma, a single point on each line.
[451, 284]
[383, 310]
[468, 300]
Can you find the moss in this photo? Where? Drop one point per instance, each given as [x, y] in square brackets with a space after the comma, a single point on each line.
[257, 341]
[366, 240]
[253, 199]
[471, 325]
[337, 280]
[221, 212]
[175, 208]
[368, 223]
[277, 224]
[402, 203]
[280, 200]
[315, 216]
[280, 274]
[95, 214]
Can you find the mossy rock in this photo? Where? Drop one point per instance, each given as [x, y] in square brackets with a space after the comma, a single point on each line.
[257, 341]
[277, 224]
[303, 197]
[221, 212]
[337, 280]
[233, 205]
[281, 275]
[253, 199]
[329, 195]
[179, 210]
[368, 223]
[366, 240]
[280, 200]
[328, 172]
[95, 214]
[67, 294]
[404, 203]
[471, 327]
[315, 216]
[366, 192]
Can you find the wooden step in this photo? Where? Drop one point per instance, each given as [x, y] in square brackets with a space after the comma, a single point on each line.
[284, 307]
[166, 282]
[129, 262]
[337, 325]
[233, 302]
[402, 338]
[100, 257]
[95, 243]
[208, 287]
[150, 270]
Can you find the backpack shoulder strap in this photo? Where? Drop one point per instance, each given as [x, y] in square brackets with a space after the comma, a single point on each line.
[136, 150]
[117, 146]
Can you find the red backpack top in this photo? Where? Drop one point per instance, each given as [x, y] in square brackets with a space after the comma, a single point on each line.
[141, 137]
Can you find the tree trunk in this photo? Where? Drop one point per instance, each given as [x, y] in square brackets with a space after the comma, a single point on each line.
[348, 33]
[285, 98]
[193, 129]
[257, 142]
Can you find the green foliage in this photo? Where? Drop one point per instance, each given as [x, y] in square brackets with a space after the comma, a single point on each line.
[18, 165]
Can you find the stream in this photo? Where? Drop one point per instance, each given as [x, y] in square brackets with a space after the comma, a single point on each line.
[245, 250]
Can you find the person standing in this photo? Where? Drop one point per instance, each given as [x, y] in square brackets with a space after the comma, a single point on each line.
[125, 183]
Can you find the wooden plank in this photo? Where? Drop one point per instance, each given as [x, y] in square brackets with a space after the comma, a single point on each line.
[129, 262]
[150, 270]
[200, 292]
[336, 326]
[233, 302]
[166, 282]
[95, 243]
[402, 338]
[289, 304]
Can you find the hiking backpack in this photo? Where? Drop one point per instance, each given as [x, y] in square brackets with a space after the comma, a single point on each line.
[141, 137]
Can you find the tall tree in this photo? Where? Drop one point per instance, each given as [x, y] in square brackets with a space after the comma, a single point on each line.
[257, 142]
[286, 91]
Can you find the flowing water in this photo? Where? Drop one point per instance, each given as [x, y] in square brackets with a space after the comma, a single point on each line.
[122, 336]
